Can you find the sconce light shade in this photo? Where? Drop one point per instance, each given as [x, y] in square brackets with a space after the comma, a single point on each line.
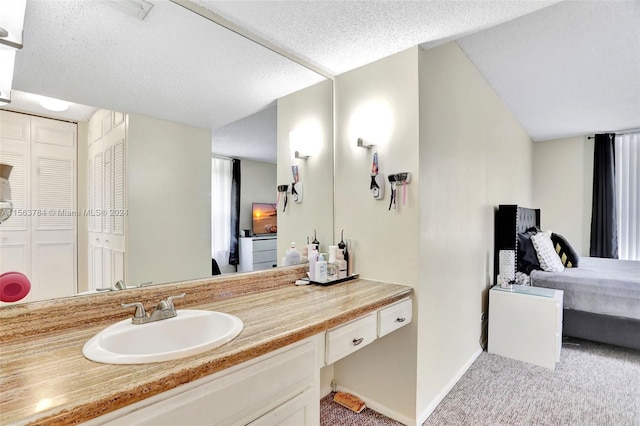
[7, 61]
[362, 144]
[12, 22]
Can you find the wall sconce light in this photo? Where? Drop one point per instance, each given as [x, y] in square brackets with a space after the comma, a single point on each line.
[362, 144]
[11, 25]
[300, 156]
[7, 61]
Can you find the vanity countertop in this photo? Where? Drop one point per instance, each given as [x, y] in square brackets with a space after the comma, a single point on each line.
[45, 379]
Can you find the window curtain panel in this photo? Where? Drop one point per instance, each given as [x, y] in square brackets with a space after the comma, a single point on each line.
[604, 233]
[234, 252]
[220, 210]
[627, 154]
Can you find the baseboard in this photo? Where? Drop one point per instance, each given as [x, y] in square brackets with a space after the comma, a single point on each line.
[438, 399]
[381, 408]
[324, 391]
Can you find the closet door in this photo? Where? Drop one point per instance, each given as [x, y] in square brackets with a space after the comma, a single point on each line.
[39, 240]
[107, 199]
[15, 150]
[54, 198]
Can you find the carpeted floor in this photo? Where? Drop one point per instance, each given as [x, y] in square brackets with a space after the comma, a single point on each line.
[594, 384]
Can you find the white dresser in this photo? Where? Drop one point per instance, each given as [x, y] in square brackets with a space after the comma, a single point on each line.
[258, 253]
[525, 323]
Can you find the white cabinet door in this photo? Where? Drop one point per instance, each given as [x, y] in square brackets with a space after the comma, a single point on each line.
[301, 410]
[283, 386]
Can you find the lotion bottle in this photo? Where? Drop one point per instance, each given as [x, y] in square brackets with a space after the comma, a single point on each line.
[321, 269]
[313, 259]
[293, 256]
[342, 265]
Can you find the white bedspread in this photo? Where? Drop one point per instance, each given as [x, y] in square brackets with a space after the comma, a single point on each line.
[602, 286]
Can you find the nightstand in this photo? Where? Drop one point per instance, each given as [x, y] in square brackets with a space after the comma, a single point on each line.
[525, 323]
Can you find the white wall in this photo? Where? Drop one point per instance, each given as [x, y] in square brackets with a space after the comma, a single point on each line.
[474, 155]
[257, 185]
[169, 190]
[379, 102]
[562, 188]
[309, 112]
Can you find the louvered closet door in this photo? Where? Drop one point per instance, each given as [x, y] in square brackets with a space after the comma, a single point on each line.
[53, 196]
[15, 239]
[107, 195]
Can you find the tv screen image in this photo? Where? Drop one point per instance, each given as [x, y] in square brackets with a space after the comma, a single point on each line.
[265, 218]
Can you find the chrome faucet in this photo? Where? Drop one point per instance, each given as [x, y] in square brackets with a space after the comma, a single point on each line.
[120, 285]
[163, 310]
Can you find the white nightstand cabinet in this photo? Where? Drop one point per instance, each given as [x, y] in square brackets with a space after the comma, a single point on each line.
[525, 323]
[258, 253]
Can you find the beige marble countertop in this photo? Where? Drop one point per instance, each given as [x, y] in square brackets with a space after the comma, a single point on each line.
[45, 379]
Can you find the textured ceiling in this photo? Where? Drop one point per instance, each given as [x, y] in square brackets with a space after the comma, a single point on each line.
[173, 65]
[570, 69]
[342, 35]
[564, 69]
[257, 131]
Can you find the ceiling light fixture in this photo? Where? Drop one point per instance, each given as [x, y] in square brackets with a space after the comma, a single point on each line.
[52, 104]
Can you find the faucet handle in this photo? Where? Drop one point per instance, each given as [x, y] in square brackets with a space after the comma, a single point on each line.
[170, 300]
[140, 312]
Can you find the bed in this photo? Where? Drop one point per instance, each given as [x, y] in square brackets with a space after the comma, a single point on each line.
[601, 296]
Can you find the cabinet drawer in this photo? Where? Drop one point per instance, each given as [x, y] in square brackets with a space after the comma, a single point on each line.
[393, 317]
[264, 265]
[265, 256]
[267, 244]
[348, 338]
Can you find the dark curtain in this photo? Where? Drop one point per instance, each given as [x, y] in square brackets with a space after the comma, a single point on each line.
[604, 235]
[234, 252]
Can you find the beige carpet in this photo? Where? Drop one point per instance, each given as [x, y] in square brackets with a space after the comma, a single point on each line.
[594, 384]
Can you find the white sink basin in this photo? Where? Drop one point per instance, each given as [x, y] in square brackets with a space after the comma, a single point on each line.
[189, 333]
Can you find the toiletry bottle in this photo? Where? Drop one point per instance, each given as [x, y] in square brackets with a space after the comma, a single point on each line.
[315, 240]
[321, 269]
[342, 265]
[343, 246]
[293, 256]
[350, 257]
[313, 259]
[332, 271]
[333, 251]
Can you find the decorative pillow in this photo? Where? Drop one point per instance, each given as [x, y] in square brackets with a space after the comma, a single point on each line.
[527, 257]
[547, 256]
[568, 255]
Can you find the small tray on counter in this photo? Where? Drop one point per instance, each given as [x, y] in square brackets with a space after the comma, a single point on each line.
[341, 280]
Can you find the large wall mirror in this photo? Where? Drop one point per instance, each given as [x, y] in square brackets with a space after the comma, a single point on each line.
[158, 96]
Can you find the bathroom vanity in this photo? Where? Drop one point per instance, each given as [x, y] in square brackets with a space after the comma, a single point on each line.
[267, 375]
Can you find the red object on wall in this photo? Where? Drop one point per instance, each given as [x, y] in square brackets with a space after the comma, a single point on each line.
[14, 286]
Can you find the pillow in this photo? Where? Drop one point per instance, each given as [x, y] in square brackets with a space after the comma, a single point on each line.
[547, 256]
[567, 254]
[527, 257]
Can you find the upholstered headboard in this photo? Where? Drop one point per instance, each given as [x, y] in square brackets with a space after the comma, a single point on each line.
[510, 220]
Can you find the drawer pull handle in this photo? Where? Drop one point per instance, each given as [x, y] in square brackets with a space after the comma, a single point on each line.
[356, 342]
[401, 319]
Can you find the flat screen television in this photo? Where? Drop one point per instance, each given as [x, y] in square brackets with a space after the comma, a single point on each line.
[264, 218]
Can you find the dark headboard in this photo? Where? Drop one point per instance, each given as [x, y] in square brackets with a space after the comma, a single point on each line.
[510, 220]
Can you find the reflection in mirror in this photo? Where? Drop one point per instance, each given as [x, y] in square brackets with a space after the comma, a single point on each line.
[165, 93]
